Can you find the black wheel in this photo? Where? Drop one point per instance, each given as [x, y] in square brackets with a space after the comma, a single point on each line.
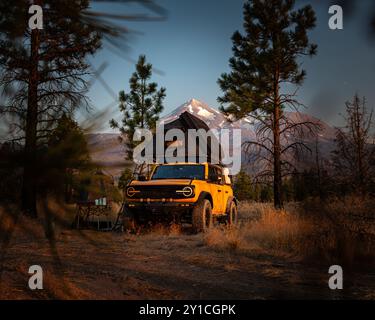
[202, 216]
[232, 215]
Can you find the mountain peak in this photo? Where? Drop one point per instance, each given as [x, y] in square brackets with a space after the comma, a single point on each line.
[194, 101]
[199, 109]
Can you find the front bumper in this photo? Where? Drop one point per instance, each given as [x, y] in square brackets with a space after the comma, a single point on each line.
[159, 208]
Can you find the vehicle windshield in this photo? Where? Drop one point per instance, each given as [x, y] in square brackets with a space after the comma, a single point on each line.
[194, 172]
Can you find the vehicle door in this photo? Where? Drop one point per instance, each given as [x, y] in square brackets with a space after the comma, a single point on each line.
[216, 188]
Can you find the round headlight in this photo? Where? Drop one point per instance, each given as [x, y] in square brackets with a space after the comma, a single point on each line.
[186, 191]
[130, 192]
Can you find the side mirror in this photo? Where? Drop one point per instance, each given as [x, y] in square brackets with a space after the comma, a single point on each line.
[142, 178]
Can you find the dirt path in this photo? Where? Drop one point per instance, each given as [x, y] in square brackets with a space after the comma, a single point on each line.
[117, 266]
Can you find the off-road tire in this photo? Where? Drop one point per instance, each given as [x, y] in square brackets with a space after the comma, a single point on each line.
[232, 214]
[202, 216]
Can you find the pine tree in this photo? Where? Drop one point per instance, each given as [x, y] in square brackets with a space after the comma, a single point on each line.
[266, 193]
[354, 155]
[265, 61]
[141, 107]
[242, 186]
[46, 69]
[66, 153]
[44, 73]
[125, 178]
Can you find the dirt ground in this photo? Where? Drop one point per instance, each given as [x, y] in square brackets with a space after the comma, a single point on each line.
[97, 265]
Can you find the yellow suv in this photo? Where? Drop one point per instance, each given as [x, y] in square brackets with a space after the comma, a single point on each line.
[182, 192]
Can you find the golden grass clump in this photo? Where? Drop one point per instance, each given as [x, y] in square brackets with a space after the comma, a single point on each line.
[160, 229]
[278, 230]
[340, 230]
[225, 238]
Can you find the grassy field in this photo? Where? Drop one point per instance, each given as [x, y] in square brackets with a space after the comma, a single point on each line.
[270, 255]
[338, 230]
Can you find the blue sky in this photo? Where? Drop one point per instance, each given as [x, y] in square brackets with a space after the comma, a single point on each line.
[193, 45]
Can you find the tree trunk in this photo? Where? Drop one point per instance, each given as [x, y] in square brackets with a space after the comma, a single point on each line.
[277, 194]
[277, 181]
[29, 186]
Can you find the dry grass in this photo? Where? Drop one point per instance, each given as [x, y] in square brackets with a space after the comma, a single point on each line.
[339, 230]
[279, 230]
[172, 230]
[262, 228]
[226, 238]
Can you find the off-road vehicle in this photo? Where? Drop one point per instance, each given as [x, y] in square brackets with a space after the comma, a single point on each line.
[200, 194]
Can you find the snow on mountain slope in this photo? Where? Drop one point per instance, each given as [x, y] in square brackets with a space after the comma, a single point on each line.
[213, 117]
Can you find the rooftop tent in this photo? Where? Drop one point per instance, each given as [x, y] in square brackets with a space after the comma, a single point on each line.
[188, 121]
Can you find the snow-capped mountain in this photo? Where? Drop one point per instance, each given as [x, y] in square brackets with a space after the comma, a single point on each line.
[107, 150]
[212, 117]
[217, 120]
